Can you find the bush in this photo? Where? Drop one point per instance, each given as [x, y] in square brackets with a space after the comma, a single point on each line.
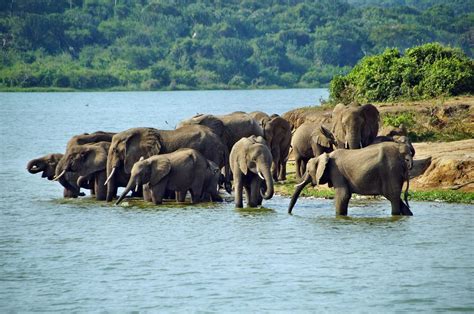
[430, 70]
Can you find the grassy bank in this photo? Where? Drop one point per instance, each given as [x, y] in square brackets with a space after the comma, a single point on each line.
[287, 188]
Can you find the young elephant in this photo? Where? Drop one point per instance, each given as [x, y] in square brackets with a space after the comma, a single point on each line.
[379, 169]
[310, 140]
[250, 162]
[180, 171]
[211, 183]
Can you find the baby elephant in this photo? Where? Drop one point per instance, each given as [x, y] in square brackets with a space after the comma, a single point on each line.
[180, 171]
[379, 169]
[251, 162]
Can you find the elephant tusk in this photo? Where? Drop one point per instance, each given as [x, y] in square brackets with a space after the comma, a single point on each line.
[346, 146]
[110, 176]
[261, 175]
[299, 184]
[59, 176]
[360, 144]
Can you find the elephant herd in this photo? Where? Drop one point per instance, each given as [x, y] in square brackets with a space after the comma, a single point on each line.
[248, 151]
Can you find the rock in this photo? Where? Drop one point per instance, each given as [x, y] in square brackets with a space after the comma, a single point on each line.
[451, 166]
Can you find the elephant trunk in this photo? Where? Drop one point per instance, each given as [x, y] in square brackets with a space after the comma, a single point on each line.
[35, 166]
[299, 188]
[267, 176]
[130, 186]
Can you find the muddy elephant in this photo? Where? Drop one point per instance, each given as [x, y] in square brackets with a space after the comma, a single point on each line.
[129, 146]
[379, 169]
[310, 140]
[277, 133]
[47, 166]
[180, 171]
[230, 127]
[69, 180]
[250, 162]
[355, 126]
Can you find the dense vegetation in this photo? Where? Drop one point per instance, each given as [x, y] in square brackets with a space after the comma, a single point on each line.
[170, 44]
[426, 71]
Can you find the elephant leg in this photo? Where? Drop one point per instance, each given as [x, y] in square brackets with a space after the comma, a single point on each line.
[69, 193]
[298, 162]
[282, 173]
[147, 193]
[275, 163]
[111, 190]
[238, 193]
[181, 196]
[157, 192]
[303, 167]
[253, 200]
[99, 187]
[341, 200]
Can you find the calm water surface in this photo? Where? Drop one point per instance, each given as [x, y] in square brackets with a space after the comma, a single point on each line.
[82, 255]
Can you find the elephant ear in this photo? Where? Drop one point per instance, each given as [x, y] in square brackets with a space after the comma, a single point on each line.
[160, 169]
[323, 137]
[321, 169]
[337, 126]
[242, 161]
[144, 143]
[371, 118]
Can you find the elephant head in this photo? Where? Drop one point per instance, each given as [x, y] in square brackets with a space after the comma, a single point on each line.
[257, 158]
[87, 159]
[146, 171]
[46, 164]
[316, 173]
[128, 146]
[355, 127]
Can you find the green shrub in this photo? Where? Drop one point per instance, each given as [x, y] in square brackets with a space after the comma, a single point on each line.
[395, 120]
[429, 70]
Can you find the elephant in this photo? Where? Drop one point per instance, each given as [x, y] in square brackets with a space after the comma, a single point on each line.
[211, 183]
[250, 162]
[47, 166]
[69, 180]
[355, 127]
[230, 127]
[182, 170]
[379, 169]
[401, 139]
[277, 133]
[128, 146]
[310, 140]
[89, 162]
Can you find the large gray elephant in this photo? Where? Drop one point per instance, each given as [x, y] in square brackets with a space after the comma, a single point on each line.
[69, 180]
[379, 169]
[230, 127]
[47, 165]
[310, 140]
[355, 126]
[89, 162]
[277, 133]
[180, 171]
[250, 162]
[129, 146]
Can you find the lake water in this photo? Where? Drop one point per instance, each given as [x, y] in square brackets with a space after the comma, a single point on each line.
[82, 255]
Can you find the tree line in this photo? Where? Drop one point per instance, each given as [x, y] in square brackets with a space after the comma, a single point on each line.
[182, 44]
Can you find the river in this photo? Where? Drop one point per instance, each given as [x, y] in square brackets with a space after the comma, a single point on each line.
[81, 255]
